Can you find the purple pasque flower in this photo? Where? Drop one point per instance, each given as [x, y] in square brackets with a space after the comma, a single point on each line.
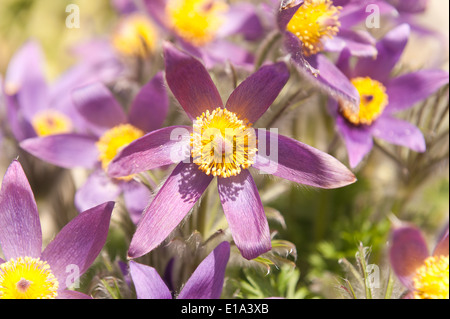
[382, 95]
[206, 282]
[195, 91]
[29, 273]
[311, 28]
[110, 129]
[201, 27]
[38, 108]
[425, 275]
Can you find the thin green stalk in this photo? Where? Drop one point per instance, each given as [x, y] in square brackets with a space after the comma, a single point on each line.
[265, 48]
[390, 286]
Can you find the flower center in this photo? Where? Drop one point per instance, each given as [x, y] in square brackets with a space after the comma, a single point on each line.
[27, 278]
[135, 36]
[373, 101]
[222, 144]
[314, 21]
[114, 140]
[431, 280]
[51, 122]
[196, 21]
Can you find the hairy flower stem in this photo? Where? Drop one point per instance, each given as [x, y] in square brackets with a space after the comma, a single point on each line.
[390, 286]
[265, 48]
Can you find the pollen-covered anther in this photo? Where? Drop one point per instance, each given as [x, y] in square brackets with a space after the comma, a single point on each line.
[27, 278]
[315, 21]
[431, 280]
[373, 99]
[222, 144]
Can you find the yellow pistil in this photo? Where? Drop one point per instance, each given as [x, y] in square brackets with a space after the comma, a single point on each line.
[314, 21]
[49, 122]
[27, 278]
[135, 36]
[114, 140]
[222, 144]
[373, 101]
[196, 21]
[431, 280]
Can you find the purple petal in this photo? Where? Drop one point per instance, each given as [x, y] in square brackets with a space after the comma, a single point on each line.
[245, 214]
[300, 163]
[390, 49]
[171, 204]
[136, 197]
[150, 107]
[190, 82]
[399, 132]
[359, 43]
[406, 90]
[285, 14]
[207, 280]
[221, 51]
[65, 150]
[158, 148]
[148, 282]
[408, 252]
[241, 18]
[98, 189]
[72, 294]
[20, 228]
[254, 95]
[410, 6]
[441, 248]
[78, 244]
[98, 106]
[19, 125]
[354, 13]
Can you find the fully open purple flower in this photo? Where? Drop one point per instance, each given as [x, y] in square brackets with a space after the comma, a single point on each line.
[110, 129]
[381, 96]
[226, 130]
[206, 282]
[425, 275]
[202, 26]
[29, 273]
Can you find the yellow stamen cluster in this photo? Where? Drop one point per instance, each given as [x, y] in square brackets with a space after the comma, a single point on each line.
[222, 144]
[114, 140]
[196, 21]
[431, 280]
[314, 21]
[373, 101]
[27, 278]
[51, 122]
[135, 36]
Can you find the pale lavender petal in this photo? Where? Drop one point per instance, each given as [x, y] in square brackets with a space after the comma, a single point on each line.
[190, 82]
[245, 214]
[72, 294]
[151, 105]
[171, 204]
[398, 132]
[78, 244]
[136, 196]
[390, 49]
[20, 228]
[408, 252]
[255, 94]
[98, 189]
[358, 11]
[221, 51]
[162, 147]
[207, 280]
[148, 282]
[20, 127]
[242, 18]
[65, 150]
[406, 90]
[98, 106]
[441, 248]
[300, 163]
[157, 10]
[410, 6]
[359, 43]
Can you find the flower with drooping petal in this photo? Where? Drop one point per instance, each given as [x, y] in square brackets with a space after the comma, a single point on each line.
[425, 275]
[228, 130]
[206, 282]
[381, 96]
[29, 273]
[111, 129]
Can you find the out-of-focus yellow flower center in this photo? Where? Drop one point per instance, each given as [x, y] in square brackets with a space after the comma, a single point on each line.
[27, 278]
[373, 101]
[51, 122]
[431, 280]
[114, 140]
[135, 36]
[222, 144]
[314, 21]
[196, 21]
